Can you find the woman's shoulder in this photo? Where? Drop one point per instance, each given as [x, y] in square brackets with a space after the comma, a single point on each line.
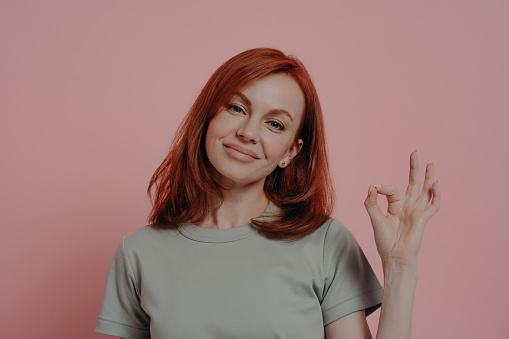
[333, 230]
[331, 239]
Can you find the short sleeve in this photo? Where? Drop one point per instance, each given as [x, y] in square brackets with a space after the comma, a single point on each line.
[349, 281]
[121, 313]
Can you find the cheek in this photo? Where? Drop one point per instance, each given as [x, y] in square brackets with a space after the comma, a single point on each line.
[214, 128]
[217, 129]
[276, 147]
[210, 137]
[220, 124]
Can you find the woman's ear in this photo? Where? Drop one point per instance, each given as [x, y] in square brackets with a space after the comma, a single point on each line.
[292, 152]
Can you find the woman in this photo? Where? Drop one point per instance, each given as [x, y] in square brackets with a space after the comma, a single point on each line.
[241, 243]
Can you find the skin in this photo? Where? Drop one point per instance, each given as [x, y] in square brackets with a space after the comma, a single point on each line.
[263, 119]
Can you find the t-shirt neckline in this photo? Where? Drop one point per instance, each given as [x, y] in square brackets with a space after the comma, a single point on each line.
[202, 234]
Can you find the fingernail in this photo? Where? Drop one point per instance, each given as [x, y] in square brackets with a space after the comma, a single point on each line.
[371, 187]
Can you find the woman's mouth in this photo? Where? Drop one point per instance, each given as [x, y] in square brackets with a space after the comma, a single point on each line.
[240, 153]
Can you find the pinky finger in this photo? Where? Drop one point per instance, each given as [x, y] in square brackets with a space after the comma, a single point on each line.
[434, 207]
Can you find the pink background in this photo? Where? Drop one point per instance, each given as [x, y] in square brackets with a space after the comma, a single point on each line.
[92, 92]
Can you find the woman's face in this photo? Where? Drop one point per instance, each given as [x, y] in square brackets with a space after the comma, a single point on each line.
[255, 131]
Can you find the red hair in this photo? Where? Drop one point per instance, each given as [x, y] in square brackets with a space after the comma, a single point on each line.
[303, 190]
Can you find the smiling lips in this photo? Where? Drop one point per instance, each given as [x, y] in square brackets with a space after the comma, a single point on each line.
[240, 153]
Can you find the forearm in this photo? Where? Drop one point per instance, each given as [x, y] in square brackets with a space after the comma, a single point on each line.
[397, 303]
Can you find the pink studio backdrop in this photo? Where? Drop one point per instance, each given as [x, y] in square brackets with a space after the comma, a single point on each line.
[93, 91]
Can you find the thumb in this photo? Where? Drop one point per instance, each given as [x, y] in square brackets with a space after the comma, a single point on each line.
[371, 204]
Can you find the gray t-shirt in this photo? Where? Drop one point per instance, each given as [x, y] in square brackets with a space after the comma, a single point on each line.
[234, 283]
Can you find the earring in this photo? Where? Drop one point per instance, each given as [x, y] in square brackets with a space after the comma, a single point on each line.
[284, 163]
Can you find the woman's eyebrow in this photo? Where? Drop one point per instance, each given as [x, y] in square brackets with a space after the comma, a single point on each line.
[272, 111]
[281, 111]
[243, 98]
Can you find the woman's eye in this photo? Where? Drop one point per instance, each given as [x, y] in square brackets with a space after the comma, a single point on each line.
[234, 108]
[276, 125]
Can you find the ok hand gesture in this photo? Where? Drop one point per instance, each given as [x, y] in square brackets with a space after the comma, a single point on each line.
[398, 234]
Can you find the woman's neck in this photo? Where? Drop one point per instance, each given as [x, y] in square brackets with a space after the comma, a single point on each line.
[238, 207]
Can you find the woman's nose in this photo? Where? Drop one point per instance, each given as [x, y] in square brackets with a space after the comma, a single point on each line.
[248, 132]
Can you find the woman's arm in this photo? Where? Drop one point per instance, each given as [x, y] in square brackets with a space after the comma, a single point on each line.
[351, 326]
[398, 236]
[397, 301]
[397, 304]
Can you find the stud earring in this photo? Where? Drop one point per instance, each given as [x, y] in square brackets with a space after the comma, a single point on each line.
[284, 163]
